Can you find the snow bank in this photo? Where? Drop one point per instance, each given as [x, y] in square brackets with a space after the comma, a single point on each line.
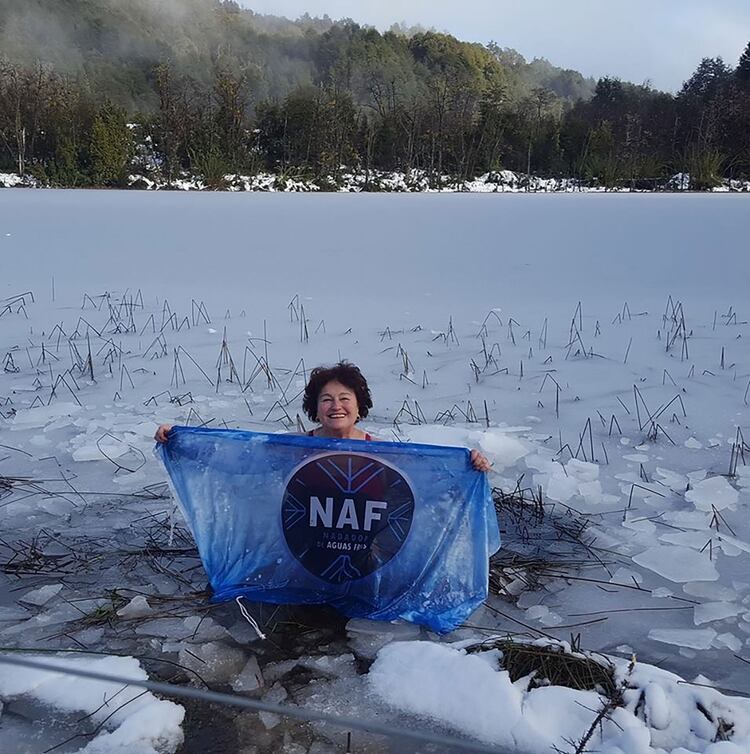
[136, 722]
[659, 712]
[10, 180]
[467, 692]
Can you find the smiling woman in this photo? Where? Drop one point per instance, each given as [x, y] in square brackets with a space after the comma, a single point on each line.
[337, 398]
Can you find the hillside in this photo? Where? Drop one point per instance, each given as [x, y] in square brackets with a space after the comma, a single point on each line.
[92, 91]
[115, 47]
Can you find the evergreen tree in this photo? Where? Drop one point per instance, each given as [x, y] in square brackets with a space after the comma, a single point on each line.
[742, 72]
[709, 80]
[110, 147]
[230, 102]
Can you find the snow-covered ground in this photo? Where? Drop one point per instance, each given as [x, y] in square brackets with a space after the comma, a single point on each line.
[499, 181]
[594, 346]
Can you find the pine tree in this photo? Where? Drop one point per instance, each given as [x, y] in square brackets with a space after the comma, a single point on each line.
[742, 72]
[709, 80]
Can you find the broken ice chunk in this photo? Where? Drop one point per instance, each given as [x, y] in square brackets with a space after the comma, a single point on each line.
[711, 611]
[728, 640]
[168, 627]
[214, 662]
[42, 595]
[691, 638]
[138, 607]
[250, 678]
[695, 539]
[376, 628]
[276, 695]
[329, 666]
[714, 492]
[544, 615]
[709, 591]
[199, 628]
[678, 564]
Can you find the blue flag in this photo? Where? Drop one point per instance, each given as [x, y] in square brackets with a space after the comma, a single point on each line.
[379, 530]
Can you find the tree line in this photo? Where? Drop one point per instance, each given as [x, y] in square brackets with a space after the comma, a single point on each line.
[414, 102]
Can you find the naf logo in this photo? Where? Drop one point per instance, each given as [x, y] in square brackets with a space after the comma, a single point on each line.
[345, 515]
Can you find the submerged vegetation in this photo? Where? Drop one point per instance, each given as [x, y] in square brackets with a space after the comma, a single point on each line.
[93, 91]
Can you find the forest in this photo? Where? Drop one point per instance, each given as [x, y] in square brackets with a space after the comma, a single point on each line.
[92, 91]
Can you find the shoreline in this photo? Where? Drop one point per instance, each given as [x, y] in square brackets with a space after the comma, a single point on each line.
[504, 181]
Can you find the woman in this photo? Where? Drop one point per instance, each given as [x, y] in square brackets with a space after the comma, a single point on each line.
[337, 398]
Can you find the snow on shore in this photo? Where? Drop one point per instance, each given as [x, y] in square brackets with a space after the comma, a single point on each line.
[501, 181]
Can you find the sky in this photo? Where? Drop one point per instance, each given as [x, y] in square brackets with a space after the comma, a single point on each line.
[659, 41]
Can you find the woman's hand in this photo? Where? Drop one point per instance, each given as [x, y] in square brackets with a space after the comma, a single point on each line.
[162, 433]
[479, 461]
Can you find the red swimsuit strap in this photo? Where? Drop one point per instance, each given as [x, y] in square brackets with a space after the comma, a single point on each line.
[368, 436]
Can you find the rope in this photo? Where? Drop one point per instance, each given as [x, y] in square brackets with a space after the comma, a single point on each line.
[249, 618]
[232, 700]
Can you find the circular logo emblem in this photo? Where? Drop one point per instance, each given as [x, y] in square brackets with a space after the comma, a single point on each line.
[345, 515]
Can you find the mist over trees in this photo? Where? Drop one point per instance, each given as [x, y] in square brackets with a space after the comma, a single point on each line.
[92, 89]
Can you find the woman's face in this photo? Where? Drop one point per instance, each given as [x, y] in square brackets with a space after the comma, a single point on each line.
[337, 407]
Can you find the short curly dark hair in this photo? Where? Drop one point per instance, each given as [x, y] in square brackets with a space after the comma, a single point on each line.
[345, 373]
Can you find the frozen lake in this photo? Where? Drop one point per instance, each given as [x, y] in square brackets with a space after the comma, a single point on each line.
[629, 410]
[440, 253]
